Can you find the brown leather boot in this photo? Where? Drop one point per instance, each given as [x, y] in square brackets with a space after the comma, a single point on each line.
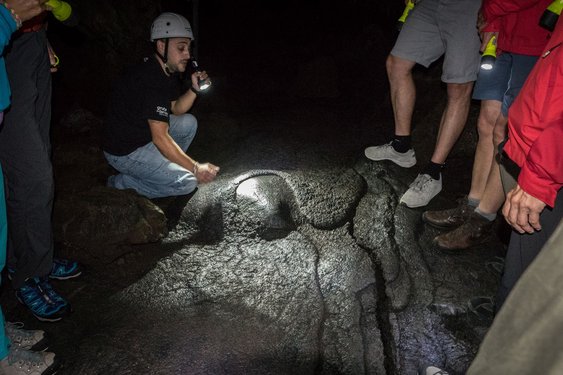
[474, 231]
[450, 218]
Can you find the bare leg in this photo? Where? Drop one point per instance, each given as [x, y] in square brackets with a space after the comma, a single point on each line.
[403, 92]
[485, 151]
[493, 195]
[453, 119]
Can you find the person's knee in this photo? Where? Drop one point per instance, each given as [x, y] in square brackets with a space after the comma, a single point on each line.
[459, 91]
[485, 127]
[397, 67]
[486, 121]
[185, 185]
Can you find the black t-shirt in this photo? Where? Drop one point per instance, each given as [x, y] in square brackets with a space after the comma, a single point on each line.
[143, 93]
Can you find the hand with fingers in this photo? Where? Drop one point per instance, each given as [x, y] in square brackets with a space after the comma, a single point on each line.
[26, 9]
[522, 210]
[205, 172]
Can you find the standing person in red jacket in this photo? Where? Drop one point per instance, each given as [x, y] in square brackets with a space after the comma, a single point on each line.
[534, 206]
[520, 41]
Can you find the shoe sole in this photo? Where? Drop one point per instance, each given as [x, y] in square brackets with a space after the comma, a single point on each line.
[399, 163]
[460, 250]
[65, 277]
[415, 206]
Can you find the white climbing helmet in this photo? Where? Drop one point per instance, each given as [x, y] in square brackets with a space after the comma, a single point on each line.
[171, 25]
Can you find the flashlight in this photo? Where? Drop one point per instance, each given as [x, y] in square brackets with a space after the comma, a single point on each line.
[490, 54]
[551, 15]
[403, 18]
[62, 12]
[203, 84]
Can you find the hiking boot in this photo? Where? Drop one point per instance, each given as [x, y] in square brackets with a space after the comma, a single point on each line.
[26, 362]
[474, 231]
[450, 218]
[43, 301]
[20, 338]
[387, 152]
[432, 370]
[421, 191]
[64, 269]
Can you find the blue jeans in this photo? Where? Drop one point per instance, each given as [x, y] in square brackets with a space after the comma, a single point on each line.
[149, 173]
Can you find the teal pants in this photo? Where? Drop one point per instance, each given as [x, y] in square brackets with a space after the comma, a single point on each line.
[4, 342]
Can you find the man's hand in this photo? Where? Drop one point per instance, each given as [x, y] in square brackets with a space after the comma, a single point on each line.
[485, 38]
[205, 172]
[522, 211]
[26, 9]
[197, 77]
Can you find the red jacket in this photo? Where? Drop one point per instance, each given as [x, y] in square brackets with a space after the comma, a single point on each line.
[517, 22]
[535, 125]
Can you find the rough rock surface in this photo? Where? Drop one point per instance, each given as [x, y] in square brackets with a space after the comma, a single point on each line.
[278, 272]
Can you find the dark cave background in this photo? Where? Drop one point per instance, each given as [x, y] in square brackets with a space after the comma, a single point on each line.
[238, 42]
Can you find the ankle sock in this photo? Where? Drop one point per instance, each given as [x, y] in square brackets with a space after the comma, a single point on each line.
[401, 143]
[433, 170]
[487, 216]
[473, 202]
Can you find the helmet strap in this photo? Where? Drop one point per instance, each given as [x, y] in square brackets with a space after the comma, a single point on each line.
[164, 57]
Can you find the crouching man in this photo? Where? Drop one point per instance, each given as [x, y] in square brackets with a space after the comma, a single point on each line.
[147, 130]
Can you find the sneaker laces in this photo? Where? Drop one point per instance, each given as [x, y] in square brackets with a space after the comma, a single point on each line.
[17, 334]
[24, 358]
[51, 295]
[420, 182]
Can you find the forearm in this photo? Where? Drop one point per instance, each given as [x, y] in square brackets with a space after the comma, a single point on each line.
[184, 103]
[171, 151]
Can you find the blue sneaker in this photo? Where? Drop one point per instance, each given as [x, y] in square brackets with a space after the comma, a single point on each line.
[64, 269]
[43, 301]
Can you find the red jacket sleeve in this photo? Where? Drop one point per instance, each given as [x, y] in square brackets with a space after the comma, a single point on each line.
[542, 173]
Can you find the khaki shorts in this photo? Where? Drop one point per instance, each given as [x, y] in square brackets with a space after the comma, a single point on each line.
[443, 27]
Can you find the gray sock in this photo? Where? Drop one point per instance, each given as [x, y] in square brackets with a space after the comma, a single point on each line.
[487, 216]
[473, 202]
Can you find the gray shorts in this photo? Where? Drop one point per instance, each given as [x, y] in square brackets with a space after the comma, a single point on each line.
[443, 27]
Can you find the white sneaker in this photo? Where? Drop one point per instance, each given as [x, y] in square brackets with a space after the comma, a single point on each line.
[25, 339]
[421, 191]
[387, 152]
[26, 362]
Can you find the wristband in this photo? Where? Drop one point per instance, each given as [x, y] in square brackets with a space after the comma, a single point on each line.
[194, 90]
[14, 14]
[196, 167]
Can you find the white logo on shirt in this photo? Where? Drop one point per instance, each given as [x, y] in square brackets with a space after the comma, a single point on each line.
[162, 111]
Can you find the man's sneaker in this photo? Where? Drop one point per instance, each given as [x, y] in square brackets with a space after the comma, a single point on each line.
[421, 191]
[43, 301]
[387, 152]
[432, 370]
[474, 231]
[26, 362]
[20, 338]
[451, 218]
[64, 269]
